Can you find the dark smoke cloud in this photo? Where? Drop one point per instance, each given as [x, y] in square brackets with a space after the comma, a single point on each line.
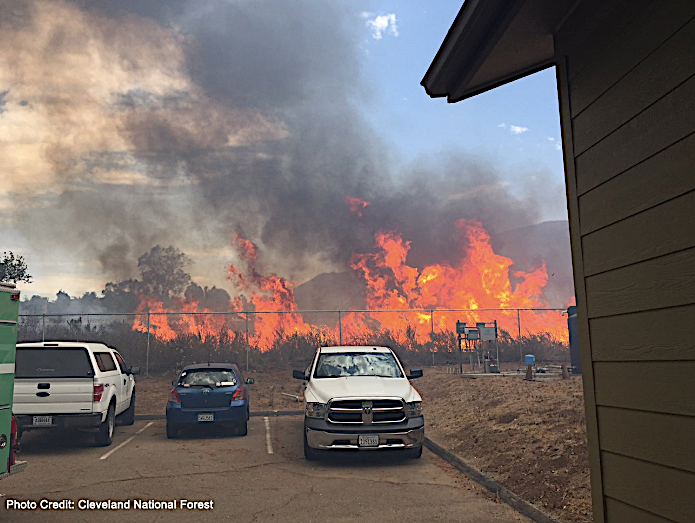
[283, 79]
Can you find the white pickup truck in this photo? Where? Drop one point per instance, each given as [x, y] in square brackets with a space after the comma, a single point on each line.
[360, 398]
[64, 385]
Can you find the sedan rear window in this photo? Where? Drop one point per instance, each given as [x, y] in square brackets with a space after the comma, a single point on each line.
[207, 378]
[53, 363]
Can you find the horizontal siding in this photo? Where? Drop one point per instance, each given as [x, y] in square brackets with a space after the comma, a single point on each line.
[619, 512]
[591, 27]
[662, 71]
[655, 232]
[668, 281]
[654, 488]
[635, 190]
[653, 26]
[662, 124]
[663, 334]
[654, 386]
[664, 439]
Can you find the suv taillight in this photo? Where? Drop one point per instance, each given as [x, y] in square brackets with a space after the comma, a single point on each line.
[98, 391]
[174, 396]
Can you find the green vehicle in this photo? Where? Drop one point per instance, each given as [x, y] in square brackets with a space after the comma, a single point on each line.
[9, 311]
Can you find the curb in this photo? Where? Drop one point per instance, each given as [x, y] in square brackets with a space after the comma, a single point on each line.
[254, 413]
[517, 503]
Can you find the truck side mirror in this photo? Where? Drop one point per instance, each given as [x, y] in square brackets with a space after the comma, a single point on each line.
[134, 370]
[250, 381]
[415, 373]
[299, 374]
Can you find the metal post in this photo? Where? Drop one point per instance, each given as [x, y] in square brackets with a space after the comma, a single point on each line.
[432, 333]
[460, 356]
[248, 346]
[497, 346]
[470, 354]
[147, 353]
[43, 327]
[340, 326]
[518, 322]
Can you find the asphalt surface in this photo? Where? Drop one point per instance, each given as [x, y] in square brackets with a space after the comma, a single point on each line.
[259, 477]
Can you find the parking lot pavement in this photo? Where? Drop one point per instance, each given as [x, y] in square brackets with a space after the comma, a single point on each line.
[252, 478]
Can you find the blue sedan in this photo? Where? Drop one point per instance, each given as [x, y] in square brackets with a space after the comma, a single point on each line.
[209, 394]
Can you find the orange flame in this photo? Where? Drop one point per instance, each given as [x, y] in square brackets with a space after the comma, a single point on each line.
[266, 293]
[481, 280]
[357, 206]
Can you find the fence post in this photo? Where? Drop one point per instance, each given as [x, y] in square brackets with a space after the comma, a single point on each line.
[147, 353]
[248, 347]
[432, 333]
[43, 327]
[340, 326]
[518, 322]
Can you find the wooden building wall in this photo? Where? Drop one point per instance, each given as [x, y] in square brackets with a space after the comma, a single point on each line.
[626, 73]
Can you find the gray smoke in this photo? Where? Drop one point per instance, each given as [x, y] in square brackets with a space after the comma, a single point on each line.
[260, 129]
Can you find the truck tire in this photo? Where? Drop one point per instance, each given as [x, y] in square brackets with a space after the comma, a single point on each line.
[413, 453]
[309, 453]
[128, 416]
[104, 437]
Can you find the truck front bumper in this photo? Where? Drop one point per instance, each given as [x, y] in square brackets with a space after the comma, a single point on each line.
[326, 436]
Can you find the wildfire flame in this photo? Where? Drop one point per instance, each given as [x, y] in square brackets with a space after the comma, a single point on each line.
[357, 206]
[481, 280]
[167, 327]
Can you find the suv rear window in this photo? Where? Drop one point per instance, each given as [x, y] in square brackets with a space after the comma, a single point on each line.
[53, 363]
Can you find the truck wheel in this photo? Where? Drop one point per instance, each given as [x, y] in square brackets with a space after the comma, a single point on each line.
[172, 430]
[413, 453]
[128, 416]
[105, 435]
[309, 453]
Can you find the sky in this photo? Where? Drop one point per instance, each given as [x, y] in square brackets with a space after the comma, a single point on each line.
[116, 146]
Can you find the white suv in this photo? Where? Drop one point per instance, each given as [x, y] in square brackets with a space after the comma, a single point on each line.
[67, 384]
[360, 398]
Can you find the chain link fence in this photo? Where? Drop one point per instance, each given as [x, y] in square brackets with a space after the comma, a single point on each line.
[165, 341]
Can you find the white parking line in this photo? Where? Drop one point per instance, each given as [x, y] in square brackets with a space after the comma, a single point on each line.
[126, 441]
[268, 444]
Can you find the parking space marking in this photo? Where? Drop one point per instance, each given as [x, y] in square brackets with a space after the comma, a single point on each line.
[268, 444]
[126, 441]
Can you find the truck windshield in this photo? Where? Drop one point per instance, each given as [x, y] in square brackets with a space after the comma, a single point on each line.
[379, 364]
[53, 363]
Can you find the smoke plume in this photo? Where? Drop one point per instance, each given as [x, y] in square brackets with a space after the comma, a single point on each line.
[130, 124]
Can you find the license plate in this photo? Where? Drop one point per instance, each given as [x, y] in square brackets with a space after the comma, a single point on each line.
[42, 421]
[206, 417]
[368, 441]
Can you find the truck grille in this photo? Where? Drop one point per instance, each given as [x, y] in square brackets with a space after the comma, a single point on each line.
[367, 411]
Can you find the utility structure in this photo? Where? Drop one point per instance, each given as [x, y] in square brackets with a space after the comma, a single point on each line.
[471, 335]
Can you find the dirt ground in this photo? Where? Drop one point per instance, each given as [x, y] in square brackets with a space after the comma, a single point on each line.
[528, 436]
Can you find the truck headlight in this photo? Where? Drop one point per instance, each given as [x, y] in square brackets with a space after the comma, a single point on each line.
[414, 409]
[315, 410]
